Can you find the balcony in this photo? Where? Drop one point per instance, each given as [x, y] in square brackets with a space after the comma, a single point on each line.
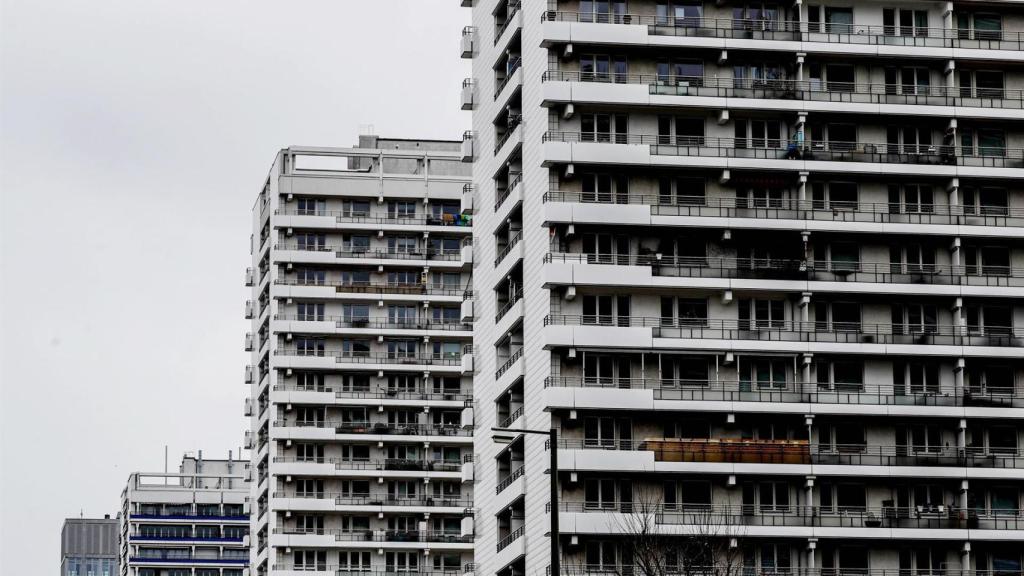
[508, 363]
[340, 535]
[378, 428]
[467, 148]
[712, 390]
[802, 90]
[512, 537]
[348, 322]
[248, 342]
[468, 198]
[800, 331]
[721, 450]
[803, 270]
[343, 357]
[468, 94]
[798, 153]
[395, 288]
[605, 570]
[458, 505]
[341, 251]
[511, 16]
[795, 209]
[512, 243]
[248, 310]
[511, 129]
[504, 308]
[248, 277]
[508, 480]
[387, 464]
[794, 31]
[382, 393]
[503, 194]
[383, 219]
[468, 42]
[706, 514]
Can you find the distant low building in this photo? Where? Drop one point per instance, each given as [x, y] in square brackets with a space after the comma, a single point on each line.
[88, 547]
[191, 522]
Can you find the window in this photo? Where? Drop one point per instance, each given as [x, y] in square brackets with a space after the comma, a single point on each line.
[311, 241]
[840, 258]
[604, 128]
[307, 346]
[987, 260]
[979, 26]
[401, 244]
[982, 84]
[834, 195]
[764, 313]
[985, 201]
[355, 348]
[680, 72]
[402, 209]
[685, 191]
[684, 370]
[684, 13]
[757, 75]
[912, 378]
[309, 311]
[757, 133]
[402, 314]
[840, 375]
[356, 314]
[310, 207]
[401, 348]
[910, 22]
[913, 81]
[602, 10]
[983, 142]
[911, 199]
[755, 16]
[680, 131]
[914, 318]
[355, 278]
[603, 68]
[764, 373]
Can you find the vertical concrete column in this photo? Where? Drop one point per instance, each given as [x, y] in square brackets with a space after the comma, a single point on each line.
[961, 436]
[812, 545]
[954, 193]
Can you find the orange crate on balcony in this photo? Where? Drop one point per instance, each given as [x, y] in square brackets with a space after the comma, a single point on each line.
[729, 450]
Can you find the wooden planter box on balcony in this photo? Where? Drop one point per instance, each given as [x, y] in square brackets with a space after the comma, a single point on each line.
[730, 450]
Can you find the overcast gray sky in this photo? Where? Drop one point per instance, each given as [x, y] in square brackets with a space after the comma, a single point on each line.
[135, 137]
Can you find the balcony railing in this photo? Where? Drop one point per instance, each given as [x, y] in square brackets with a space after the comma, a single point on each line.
[800, 452]
[515, 535]
[504, 308]
[348, 216]
[782, 30]
[348, 252]
[517, 473]
[343, 357]
[796, 392]
[507, 421]
[611, 570]
[341, 535]
[793, 269]
[377, 324]
[349, 570]
[350, 499]
[514, 121]
[503, 194]
[511, 12]
[791, 208]
[379, 428]
[393, 464]
[508, 363]
[513, 64]
[700, 514]
[801, 331]
[512, 242]
[808, 90]
[829, 150]
[378, 287]
[378, 393]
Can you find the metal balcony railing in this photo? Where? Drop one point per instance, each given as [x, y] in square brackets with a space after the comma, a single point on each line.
[377, 324]
[511, 66]
[342, 535]
[503, 194]
[504, 308]
[807, 90]
[782, 30]
[800, 452]
[809, 270]
[393, 464]
[372, 499]
[348, 252]
[515, 535]
[507, 421]
[379, 392]
[697, 514]
[511, 12]
[512, 242]
[350, 217]
[508, 363]
[378, 428]
[798, 392]
[517, 473]
[514, 121]
[349, 570]
[800, 331]
[828, 150]
[377, 287]
[347, 357]
[792, 208]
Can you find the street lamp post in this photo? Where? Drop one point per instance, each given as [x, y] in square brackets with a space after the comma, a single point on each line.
[552, 434]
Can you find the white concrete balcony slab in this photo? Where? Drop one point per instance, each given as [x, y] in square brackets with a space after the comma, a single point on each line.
[467, 44]
[467, 364]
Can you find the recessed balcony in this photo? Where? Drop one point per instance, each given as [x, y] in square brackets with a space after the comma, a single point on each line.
[796, 209]
[804, 270]
[391, 288]
[799, 331]
[796, 151]
[792, 90]
[799, 32]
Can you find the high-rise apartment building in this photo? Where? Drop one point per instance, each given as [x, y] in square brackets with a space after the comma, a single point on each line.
[761, 267]
[361, 372]
[187, 523]
[88, 547]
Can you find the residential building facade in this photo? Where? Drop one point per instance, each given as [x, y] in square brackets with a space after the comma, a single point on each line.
[88, 547]
[361, 374]
[192, 522]
[761, 268]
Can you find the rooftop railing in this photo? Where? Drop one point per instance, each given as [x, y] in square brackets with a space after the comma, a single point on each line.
[809, 90]
[812, 270]
[717, 390]
[836, 211]
[782, 30]
[803, 331]
[827, 150]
